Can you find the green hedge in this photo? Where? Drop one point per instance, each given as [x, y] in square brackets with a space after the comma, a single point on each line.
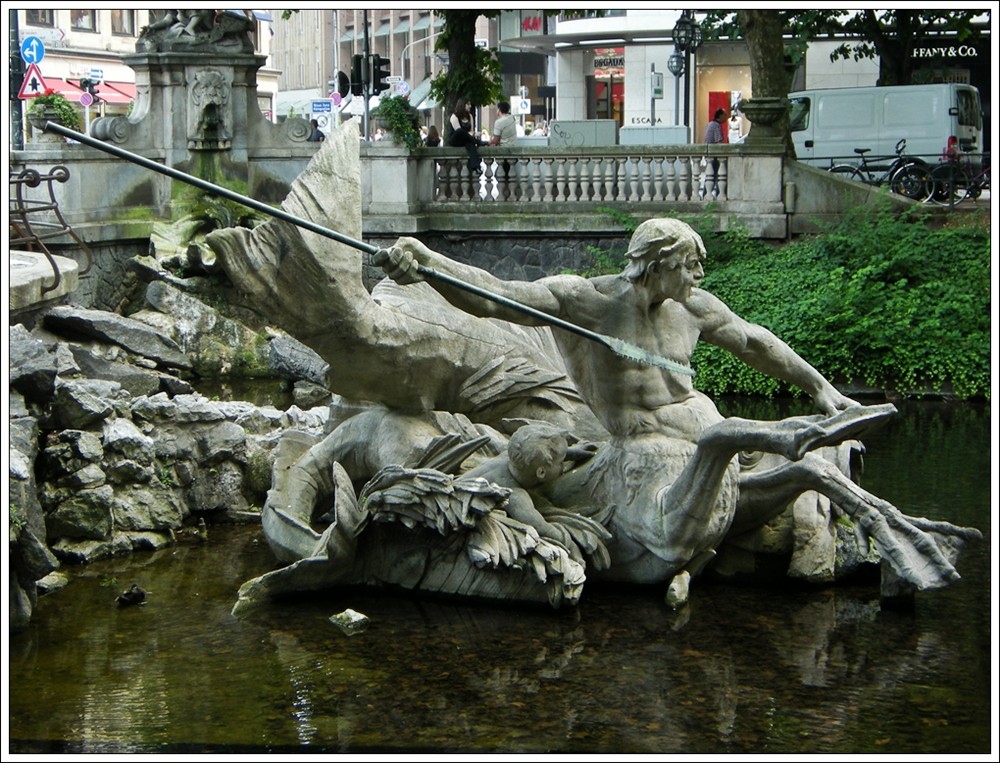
[878, 299]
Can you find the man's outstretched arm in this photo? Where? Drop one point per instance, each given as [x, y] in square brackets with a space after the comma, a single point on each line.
[761, 349]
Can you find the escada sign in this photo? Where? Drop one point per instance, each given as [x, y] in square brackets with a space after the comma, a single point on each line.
[946, 51]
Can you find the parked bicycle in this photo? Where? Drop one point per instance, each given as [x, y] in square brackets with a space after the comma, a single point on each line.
[958, 178]
[907, 176]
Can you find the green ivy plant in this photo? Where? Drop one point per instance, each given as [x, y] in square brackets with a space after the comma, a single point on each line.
[401, 119]
[52, 102]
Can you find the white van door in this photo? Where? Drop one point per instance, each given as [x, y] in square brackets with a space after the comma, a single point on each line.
[800, 122]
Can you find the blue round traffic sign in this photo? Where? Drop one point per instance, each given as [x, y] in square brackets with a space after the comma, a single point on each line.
[33, 49]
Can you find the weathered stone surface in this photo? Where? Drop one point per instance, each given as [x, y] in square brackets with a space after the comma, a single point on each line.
[136, 381]
[150, 507]
[351, 622]
[71, 450]
[122, 436]
[218, 488]
[85, 515]
[222, 442]
[84, 551]
[124, 471]
[293, 360]
[131, 334]
[33, 368]
[309, 395]
[52, 582]
[35, 559]
[79, 403]
[216, 345]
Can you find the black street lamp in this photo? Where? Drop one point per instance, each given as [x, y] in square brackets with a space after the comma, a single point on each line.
[675, 65]
[687, 38]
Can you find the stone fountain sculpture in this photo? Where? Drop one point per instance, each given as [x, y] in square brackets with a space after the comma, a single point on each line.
[196, 98]
[490, 456]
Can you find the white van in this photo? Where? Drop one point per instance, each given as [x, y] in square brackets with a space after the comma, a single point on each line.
[827, 125]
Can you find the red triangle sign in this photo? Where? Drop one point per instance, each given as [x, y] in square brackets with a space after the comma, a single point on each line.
[33, 84]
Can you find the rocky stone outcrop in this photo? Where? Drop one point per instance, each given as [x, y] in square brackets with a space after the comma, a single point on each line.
[113, 451]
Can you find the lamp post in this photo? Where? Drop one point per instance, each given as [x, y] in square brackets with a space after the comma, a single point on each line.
[675, 65]
[402, 53]
[687, 38]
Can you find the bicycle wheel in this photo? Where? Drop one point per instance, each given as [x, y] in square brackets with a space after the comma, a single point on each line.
[912, 181]
[951, 184]
[848, 172]
[978, 184]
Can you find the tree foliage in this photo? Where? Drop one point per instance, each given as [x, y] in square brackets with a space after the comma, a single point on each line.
[472, 73]
[888, 35]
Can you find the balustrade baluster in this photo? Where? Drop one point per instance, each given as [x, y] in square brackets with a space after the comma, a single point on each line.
[489, 174]
[536, 179]
[647, 176]
[587, 178]
[610, 175]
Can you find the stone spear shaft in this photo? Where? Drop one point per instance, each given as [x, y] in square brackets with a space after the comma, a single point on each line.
[618, 346]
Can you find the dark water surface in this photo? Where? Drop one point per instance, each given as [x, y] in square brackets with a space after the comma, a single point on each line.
[741, 669]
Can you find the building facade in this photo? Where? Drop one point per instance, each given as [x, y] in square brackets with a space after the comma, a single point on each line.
[89, 44]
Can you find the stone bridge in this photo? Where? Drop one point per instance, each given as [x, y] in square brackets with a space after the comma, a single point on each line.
[542, 198]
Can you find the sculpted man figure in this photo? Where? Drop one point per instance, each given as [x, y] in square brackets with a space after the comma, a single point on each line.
[668, 476]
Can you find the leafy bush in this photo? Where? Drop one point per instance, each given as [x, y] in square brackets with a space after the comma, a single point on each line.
[877, 299]
[66, 113]
[401, 119]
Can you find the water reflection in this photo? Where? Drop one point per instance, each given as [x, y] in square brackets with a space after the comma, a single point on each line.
[741, 669]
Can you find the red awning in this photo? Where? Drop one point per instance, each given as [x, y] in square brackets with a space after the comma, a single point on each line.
[61, 86]
[125, 88]
[111, 92]
[107, 91]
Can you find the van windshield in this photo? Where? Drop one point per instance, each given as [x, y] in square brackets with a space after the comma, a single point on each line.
[798, 117]
[968, 109]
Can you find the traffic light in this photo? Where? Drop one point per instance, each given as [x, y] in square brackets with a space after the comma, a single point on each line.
[380, 72]
[357, 85]
[343, 85]
[90, 86]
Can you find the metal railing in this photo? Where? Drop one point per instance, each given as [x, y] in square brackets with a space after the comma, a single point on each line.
[36, 218]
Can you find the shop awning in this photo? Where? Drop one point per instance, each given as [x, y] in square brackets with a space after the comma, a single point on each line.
[263, 15]
[127, 89]
[420, 96]
[422, 23]
[383, 29]
[348, 36]
[110, 92]
[64, 88]
[402, 26]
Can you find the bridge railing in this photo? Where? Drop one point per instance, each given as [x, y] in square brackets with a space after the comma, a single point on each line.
[580, 175]
[402, 188]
